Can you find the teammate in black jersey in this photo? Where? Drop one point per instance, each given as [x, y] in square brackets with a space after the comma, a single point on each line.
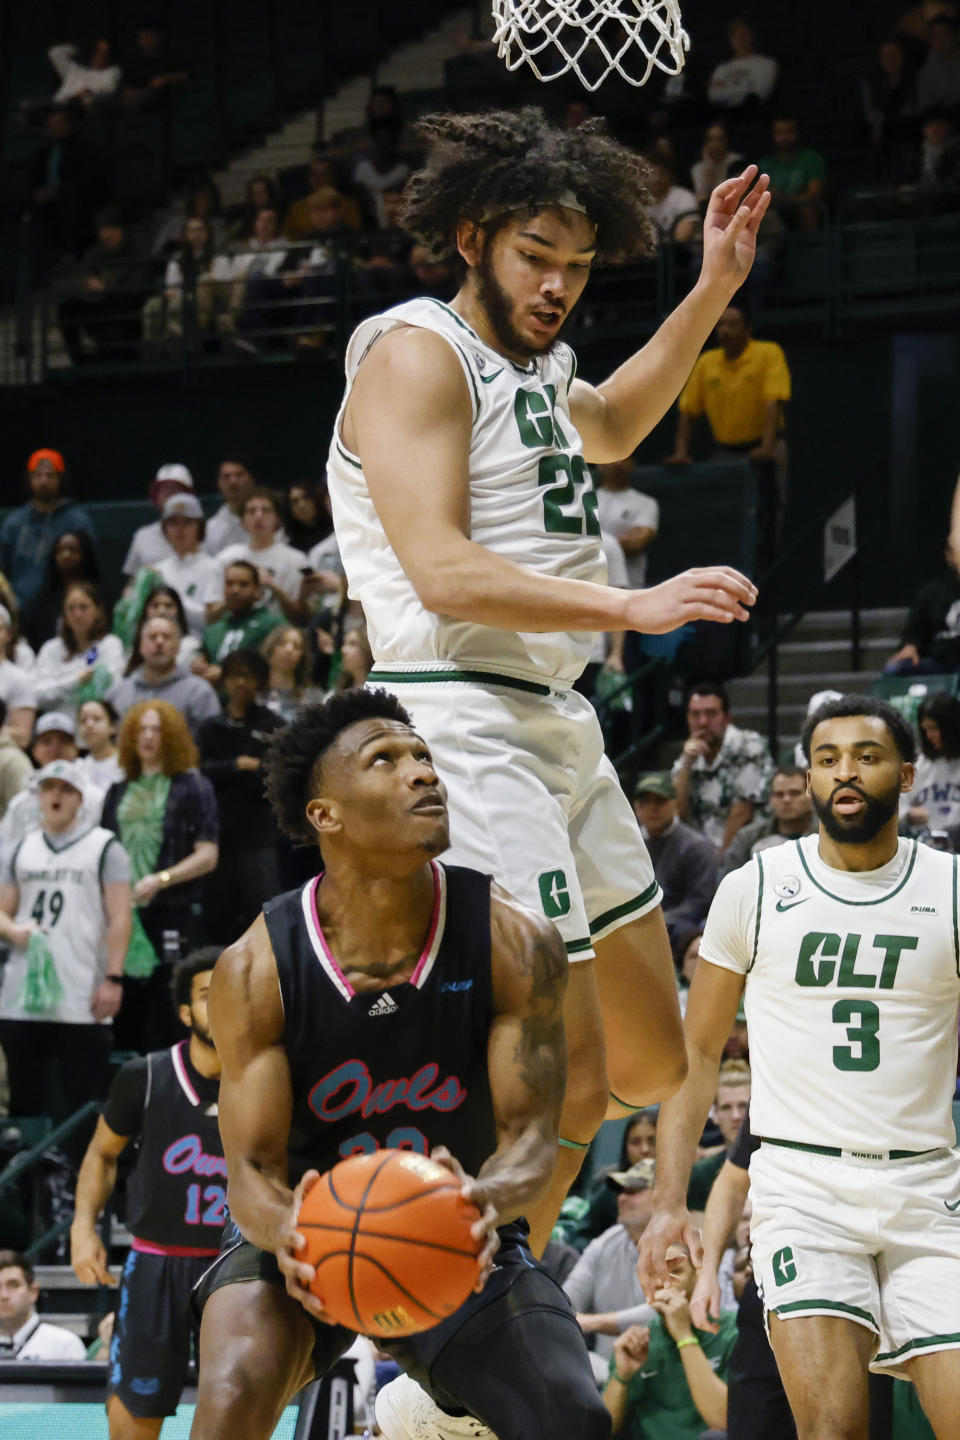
[166, 1103]
[392, 1002]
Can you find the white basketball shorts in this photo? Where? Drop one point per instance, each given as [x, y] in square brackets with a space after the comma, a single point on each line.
[875, 1242]
[533, 798]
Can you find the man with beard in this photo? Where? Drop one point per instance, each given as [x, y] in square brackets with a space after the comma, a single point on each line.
[167, 1103]
[845, 947]
[467, 523]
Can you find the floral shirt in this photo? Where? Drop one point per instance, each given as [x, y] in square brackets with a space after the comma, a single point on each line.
[742, 770]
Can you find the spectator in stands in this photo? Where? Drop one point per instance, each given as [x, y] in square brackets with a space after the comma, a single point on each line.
[746, 83]
[15, 766]
[194, 288]
[889, 95]
[934, 801]
[244, 624]
[381, 168]
[930, 643]
[17, 649]
[669, 1378]
[54, 738]
[17, 690]
[675, 213]
[84, 660]
[933, 162]
[190, 569]
[684, 861]
[92, 80]
[67, 185]
[72, 558]
[797, 176]
[717, 161]
[313, 271]
[259, 193]
[165, 813]
[28, 533]
[913, 27]
[200, 200]
[99, 316]
[280, 566]
[152, 71]
[97, 723]
[67, 922]
[236, 484]
[792, 817]
[288, 689]
[723, 773]
[741, 386]
[356, 657]
[627, 514]
[729, 1108]
[23, 1335]
[159, 677]
[164, 603]
[254, 309]
[322, 175]
[639, 1142]
[306, 518]
[386, 251]
[938, 79]
[149, 544]
[432, 276]
[232, 750]
[603, 1287]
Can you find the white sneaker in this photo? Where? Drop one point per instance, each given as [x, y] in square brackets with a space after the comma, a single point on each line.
[405, 1412]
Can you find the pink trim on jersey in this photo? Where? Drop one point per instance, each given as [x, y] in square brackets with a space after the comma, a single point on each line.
[150, 1247]
[186, 1084]
[428, 955]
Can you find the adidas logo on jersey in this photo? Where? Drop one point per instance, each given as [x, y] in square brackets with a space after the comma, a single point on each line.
[386, 1005]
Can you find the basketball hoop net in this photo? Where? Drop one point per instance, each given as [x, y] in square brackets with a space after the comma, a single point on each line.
[591, 37]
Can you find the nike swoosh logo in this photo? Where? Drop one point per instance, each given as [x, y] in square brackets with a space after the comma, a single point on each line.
[487, 378]
[954, 1206]
[781, 906]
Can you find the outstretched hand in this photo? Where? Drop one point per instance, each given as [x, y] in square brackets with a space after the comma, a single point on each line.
[734, 213]
[709, 593]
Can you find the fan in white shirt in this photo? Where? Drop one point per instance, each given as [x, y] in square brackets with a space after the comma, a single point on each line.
[674, 211]
[149, 544]
[189, 570]
[23, 1335]
[84, 659]
[225, 527]
[280, 566]
[747, 77]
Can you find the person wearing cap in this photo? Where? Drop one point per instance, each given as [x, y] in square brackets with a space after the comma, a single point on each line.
[15, 767]
[149, 543]
[189, 570]
[28, 533]
[65, 912]
[603, 1287]
[17, 689]
[684, 861]
[792, 817]
[54, 738]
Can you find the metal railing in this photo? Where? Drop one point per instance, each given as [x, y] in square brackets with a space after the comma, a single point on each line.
[28, 1160]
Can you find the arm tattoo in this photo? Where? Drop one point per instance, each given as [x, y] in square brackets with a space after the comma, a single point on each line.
[540, 1055]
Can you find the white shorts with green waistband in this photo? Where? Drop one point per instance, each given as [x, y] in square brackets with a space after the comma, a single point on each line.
[533, 798]
[867, 1239]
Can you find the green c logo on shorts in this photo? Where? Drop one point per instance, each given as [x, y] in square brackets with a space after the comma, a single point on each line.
[784, 1266]
[554, 894]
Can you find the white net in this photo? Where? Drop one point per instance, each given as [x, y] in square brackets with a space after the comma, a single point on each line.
[592, 38]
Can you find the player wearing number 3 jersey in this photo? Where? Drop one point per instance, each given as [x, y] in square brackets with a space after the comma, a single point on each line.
[467, 523]
[845, 946]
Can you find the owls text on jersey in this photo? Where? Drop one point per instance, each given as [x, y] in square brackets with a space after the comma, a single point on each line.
[531, 500]
[852, 989]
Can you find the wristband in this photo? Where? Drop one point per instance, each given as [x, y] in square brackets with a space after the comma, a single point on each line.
[687, 1340]
[619, 1378]
[114, 979]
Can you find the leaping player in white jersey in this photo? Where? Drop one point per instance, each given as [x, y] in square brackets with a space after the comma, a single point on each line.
[845, 946]
[467, 524]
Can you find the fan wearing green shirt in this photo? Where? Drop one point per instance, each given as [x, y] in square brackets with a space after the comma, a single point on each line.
[244, 624]
[668, 1381]
[796, 176]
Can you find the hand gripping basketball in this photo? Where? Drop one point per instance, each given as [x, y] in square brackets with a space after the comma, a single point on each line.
[388, 1244]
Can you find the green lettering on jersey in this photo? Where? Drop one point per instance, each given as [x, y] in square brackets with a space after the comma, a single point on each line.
[893, 947]
[554, 894]
[807, 972]
[784, 1266]
[849, 975]
[534, 419]
[562, 440]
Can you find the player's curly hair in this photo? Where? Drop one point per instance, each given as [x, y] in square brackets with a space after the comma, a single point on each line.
[296, 753]
[489, 167]
[848, 706]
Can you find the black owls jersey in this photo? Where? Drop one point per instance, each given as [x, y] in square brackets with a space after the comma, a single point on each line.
[177, 1191]
[400, 1068]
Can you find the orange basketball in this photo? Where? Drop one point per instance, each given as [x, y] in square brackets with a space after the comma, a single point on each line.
[389, 1236]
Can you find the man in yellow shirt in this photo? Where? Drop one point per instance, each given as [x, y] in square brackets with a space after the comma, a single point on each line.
[741, 387]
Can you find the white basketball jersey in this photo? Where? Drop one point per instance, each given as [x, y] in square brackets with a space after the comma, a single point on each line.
[531, 500]
[61, 890]
[852, 990]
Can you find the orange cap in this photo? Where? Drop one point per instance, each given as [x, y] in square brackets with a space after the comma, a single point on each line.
[54, 456]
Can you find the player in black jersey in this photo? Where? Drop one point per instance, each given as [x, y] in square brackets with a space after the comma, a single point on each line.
[392, 1002]
[166, 1103]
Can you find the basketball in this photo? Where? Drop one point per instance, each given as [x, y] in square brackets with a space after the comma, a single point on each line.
[389, 1237]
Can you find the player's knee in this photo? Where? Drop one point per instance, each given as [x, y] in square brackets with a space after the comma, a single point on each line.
[633, 1086]
[237, 1395]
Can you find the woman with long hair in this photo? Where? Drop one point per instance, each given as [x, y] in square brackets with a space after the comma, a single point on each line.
[165, 814]
[288, 688]
[97, 725]
[191, 271]
[84, 660]
[72, 558]
[305, 516]
[356, 657]
[934, 801]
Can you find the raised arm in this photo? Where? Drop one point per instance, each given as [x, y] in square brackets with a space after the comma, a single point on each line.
[409, 420]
